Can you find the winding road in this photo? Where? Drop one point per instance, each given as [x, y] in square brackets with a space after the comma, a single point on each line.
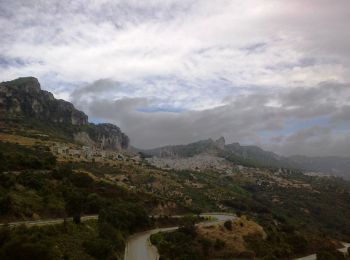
[44, 222]
[139, 247]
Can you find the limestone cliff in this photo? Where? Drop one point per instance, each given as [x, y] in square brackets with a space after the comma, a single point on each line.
[24, 98]
[104, 136]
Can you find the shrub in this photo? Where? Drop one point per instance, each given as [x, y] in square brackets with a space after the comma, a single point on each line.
[62, 172]
[329, 254]
[32, 180]
[219, 244]
[94, 203]
[228, 224]
[21, 249]
[6, 205]
[75, 205]
[4, 235]
[126, 217]
[247, 255]
[206, 245]
[270, 257]
[108, 232]
[98, 248]
[298, 243]
[81, 179]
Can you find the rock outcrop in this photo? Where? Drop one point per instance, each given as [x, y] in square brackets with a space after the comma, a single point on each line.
[24, 98]
[208, 146]
[104, 136]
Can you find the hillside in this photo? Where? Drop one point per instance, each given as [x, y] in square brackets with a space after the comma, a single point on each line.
[249, 156]
[65, 167]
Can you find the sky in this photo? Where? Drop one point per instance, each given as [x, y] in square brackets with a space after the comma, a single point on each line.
[273, 73]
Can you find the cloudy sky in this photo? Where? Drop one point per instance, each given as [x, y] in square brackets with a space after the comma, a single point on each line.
[274, 73]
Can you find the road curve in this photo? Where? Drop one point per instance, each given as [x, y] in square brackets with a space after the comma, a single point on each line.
[139, 247]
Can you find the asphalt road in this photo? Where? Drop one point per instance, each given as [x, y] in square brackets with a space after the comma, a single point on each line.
[139, 247]
[46, 222]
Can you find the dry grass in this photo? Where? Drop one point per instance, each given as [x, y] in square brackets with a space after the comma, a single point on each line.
[234, 239]
[22, 140]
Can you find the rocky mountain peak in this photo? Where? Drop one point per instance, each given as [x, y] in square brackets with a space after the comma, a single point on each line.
[23, 98]
[25, 84]
[220, 143]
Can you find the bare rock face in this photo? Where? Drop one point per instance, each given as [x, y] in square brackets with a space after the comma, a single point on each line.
[103, 136]
[24, 98]
[84, 138]
[111, 137]
[220, 143]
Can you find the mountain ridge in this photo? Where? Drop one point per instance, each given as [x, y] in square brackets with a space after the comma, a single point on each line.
[23, 99]
[252, 155]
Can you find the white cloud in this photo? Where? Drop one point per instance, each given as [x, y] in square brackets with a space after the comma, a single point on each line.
[163, 38]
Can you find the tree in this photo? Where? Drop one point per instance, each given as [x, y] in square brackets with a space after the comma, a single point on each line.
[22, 248]
[81, 179]
[228, 224]
[75, 205]
[125, 216]
[219, 244]
[329, 254]
[4, 234]
[93, 203]
[2, 162]
[6, 204]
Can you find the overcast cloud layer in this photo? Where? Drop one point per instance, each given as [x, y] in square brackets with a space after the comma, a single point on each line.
[274, 73]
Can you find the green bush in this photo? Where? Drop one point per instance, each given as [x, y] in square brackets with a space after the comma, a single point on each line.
[228, 224]
[98, 248]
[108, 232]
[124, 216]
[23, 243]
[19, 157]
[32, 180]
[81, 180]
[75, 202]
[94, 203]
[219, 244]
[329, 254]
[206, 245]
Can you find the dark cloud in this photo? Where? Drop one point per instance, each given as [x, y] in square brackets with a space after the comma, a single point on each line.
[98, 87]
[343, 115]
[245, 119]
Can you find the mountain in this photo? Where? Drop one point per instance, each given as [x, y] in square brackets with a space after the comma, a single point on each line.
[180, 151]
[254, 156]
[23, 102]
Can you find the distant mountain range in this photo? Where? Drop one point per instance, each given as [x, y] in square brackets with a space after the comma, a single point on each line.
[24, 104]
[255, 156]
